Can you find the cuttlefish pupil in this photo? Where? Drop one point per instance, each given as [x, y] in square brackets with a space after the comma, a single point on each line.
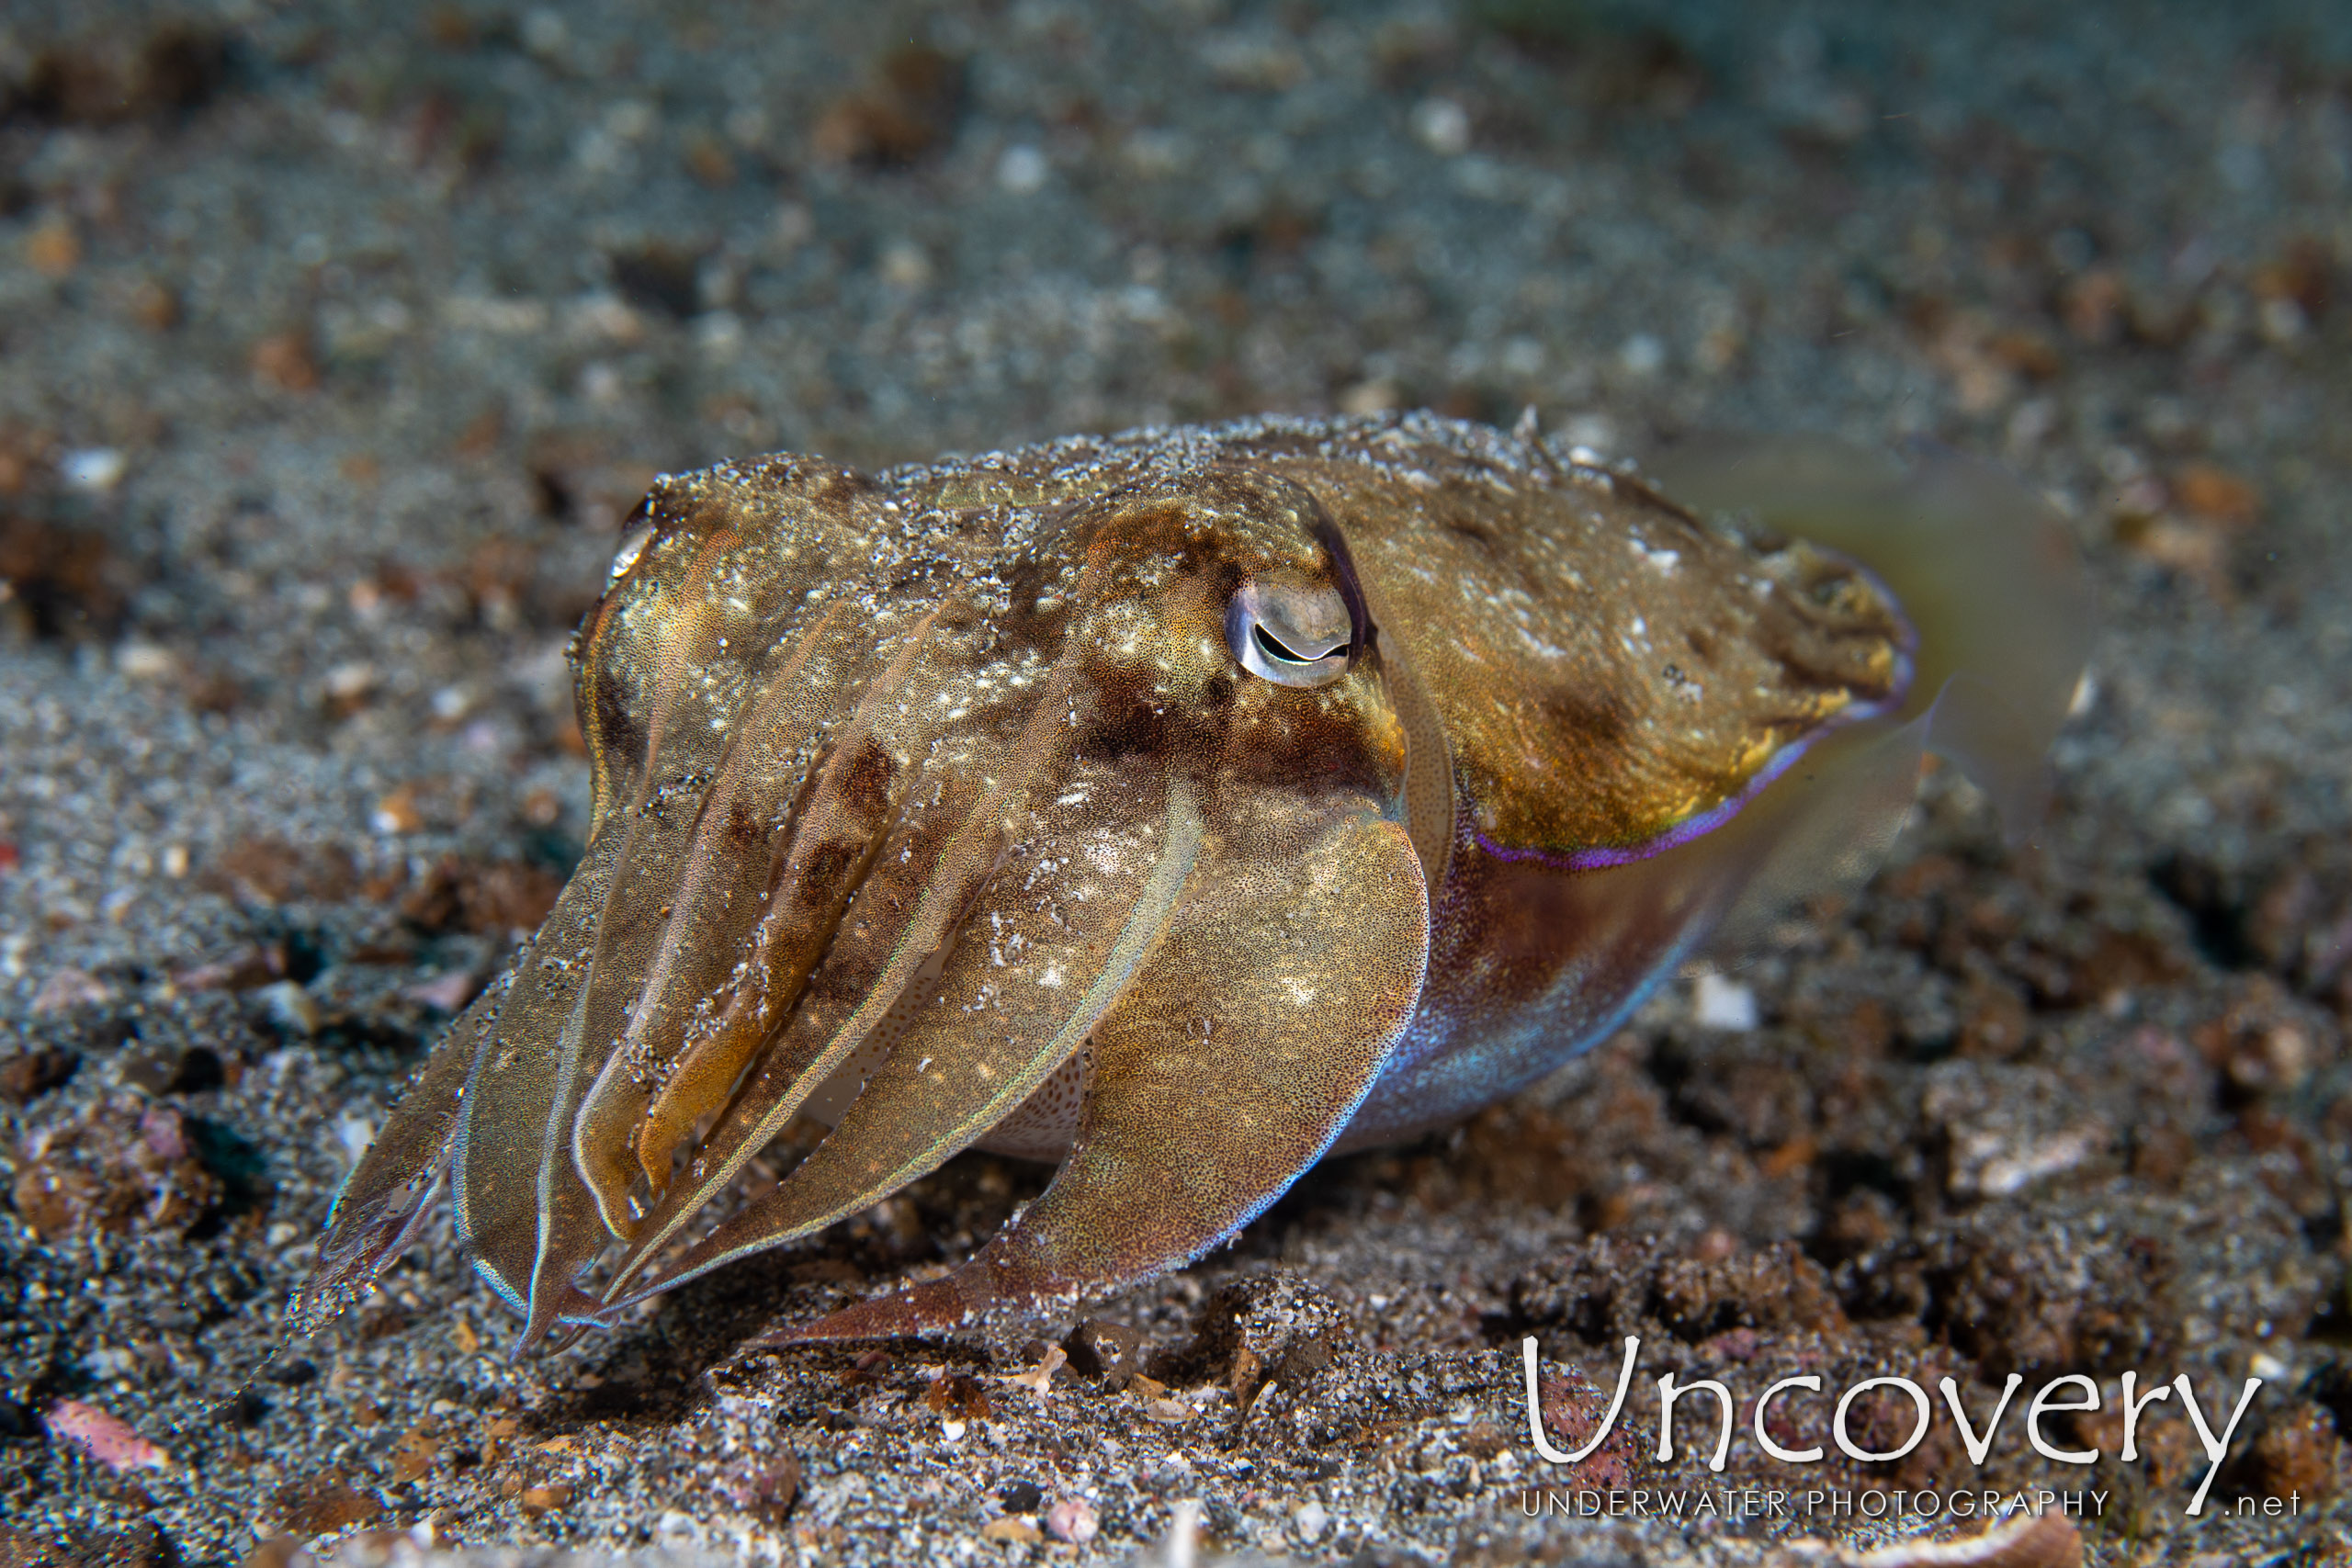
[1266, 623]
[983, 843]
[1275, 650]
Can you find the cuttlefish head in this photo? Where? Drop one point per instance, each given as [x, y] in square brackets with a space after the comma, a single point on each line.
[902, 811]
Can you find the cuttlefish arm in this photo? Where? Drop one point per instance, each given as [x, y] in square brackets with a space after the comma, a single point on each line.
[523, 1214]
[972, 1014]
[1252, 1034]
[384, 1199]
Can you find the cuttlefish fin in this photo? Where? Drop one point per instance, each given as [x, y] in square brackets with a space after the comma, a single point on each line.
[1242, 1047]
[1983, 567]
[1819, 831]
[2003, 620]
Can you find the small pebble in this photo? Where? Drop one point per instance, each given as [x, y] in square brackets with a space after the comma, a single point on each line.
[1721, 1002]
[1444, 126]
[92, 469]
[105, 1438]
[292, 1008]
[145, 661]
[1023, 169]
[54, 250]
[1071, 1519]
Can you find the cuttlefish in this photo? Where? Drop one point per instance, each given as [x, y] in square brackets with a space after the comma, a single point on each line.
[1180, 806]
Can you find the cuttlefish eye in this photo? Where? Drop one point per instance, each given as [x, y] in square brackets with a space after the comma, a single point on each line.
[1293, 636]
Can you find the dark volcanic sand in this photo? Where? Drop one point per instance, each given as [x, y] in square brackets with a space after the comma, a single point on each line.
[334, 339]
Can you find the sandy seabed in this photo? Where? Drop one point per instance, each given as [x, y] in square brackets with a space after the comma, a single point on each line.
[336, 340]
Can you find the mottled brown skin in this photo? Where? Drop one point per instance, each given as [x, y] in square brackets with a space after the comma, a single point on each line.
[938, 805]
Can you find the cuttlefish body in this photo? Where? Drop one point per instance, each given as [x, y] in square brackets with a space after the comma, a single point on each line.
[1179, 807]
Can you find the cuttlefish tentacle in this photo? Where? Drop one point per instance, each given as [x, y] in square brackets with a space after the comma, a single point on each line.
[909, 903]
[964, 1057]
[1244, 1045]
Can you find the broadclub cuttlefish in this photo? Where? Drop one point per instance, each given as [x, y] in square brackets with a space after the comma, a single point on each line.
[1180, 806]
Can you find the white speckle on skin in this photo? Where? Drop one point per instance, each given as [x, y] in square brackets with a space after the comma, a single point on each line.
[355, 1134]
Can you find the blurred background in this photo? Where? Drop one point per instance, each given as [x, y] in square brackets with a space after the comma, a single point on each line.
[336, 338]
